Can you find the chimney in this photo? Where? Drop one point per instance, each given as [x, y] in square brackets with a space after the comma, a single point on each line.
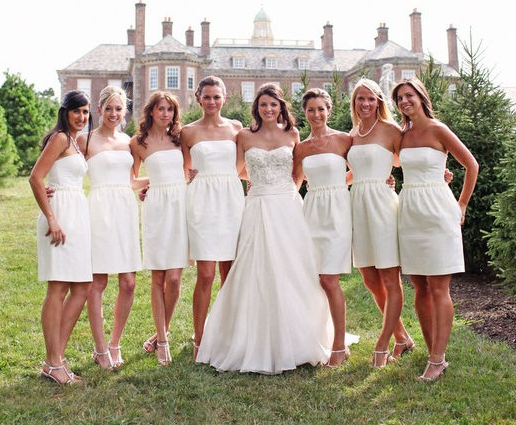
[167, 26]
[189, 35]
[139, 42]
[383, 35]
[416, 33]
[205, 38]
[453, 56]
[327, 41]
[131, 34]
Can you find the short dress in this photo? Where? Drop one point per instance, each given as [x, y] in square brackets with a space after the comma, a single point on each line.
[429, 216]
[164, 229]
[374, 207]
[71, 261]
[115, 228]
[215, 201]
[327, 211]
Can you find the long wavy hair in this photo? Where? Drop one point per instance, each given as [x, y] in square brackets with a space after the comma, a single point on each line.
[285, 117]
[421, 91]
[383, 112]
[146, 120]
[72, 100]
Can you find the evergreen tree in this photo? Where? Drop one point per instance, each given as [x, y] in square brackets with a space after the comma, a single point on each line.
[28, 114]
[9, 157]
[479, 113]
[236, 109]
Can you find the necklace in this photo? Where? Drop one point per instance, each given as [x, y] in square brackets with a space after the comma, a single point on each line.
[368, 131]
[76, 146]
[323, 145]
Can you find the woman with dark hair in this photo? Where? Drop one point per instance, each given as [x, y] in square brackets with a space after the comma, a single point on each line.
[430, 217]
[115, 230]
[271, 315]
[215, 197]
[321, 159]
[63, 229]
[164, 229]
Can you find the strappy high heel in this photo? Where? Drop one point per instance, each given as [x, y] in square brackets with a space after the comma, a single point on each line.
[120, 360]
[386, 359]
[51, 376]
[150, 345]
[95, 356]
[408, 346]
[346, 357]
[163, 345]
[429, 364]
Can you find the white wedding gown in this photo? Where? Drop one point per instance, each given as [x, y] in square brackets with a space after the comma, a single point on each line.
[271, 315]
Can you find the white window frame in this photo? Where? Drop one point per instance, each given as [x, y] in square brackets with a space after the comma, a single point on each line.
[247, 88]
[296, 90]
[302, 63]
[172, 77]
[84, 84]
[407, 73]
[271, 63]
[190, 78]
[153, 78]
[238, 62]
[115, 83]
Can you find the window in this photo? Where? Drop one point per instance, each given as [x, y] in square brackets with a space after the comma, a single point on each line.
[84, 85]
[190, 78]
[452, 89]
[153, 78]
[297, 89]
[238, 62]
[328, 87]
[172, 77]
[407, 73]
[271, 63]
[247, 91]
[115, 83]
[302, 63]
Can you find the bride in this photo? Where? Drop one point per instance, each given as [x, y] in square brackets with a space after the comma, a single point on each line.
[271, 315]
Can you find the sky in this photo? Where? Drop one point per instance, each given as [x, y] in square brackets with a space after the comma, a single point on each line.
[38, 37]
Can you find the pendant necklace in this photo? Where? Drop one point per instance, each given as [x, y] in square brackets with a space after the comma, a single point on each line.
[368, 131]
[312, 140]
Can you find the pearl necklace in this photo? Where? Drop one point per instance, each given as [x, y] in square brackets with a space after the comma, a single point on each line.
[368, 131]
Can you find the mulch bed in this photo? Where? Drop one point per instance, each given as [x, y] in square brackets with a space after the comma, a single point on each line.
[486, 305]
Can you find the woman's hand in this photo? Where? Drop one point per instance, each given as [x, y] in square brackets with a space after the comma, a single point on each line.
[55, 231]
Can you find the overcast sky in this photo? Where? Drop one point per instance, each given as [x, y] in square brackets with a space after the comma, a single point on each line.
[38, 37]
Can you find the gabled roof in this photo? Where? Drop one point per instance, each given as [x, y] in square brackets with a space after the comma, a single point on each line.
[390, 49]
[105, 57]
[169, 44]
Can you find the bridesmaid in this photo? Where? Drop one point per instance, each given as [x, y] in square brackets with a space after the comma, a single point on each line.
[376, 140]
[215, 197]
[114, 222]
[164, 230]
[63, 229]
[430, 217]
[322, 158]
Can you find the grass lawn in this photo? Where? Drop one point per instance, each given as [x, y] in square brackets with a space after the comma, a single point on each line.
[478, 388]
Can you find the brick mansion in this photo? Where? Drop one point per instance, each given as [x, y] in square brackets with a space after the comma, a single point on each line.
[178, 66]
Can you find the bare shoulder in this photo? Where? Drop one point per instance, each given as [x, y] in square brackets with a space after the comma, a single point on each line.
[392, 127]
[237, 125]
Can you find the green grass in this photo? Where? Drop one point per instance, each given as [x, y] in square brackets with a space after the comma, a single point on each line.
[478, 388]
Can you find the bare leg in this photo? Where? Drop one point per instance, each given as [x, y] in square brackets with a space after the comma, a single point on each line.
[158, 303]
[96, 318]
[424, 307]
[202, 297]
[337, 303]
[224, 267]
[385, 286]
[123, 305]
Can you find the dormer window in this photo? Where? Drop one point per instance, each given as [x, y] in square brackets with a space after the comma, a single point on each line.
[238, 62]
[271, 62]
[302, 63]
